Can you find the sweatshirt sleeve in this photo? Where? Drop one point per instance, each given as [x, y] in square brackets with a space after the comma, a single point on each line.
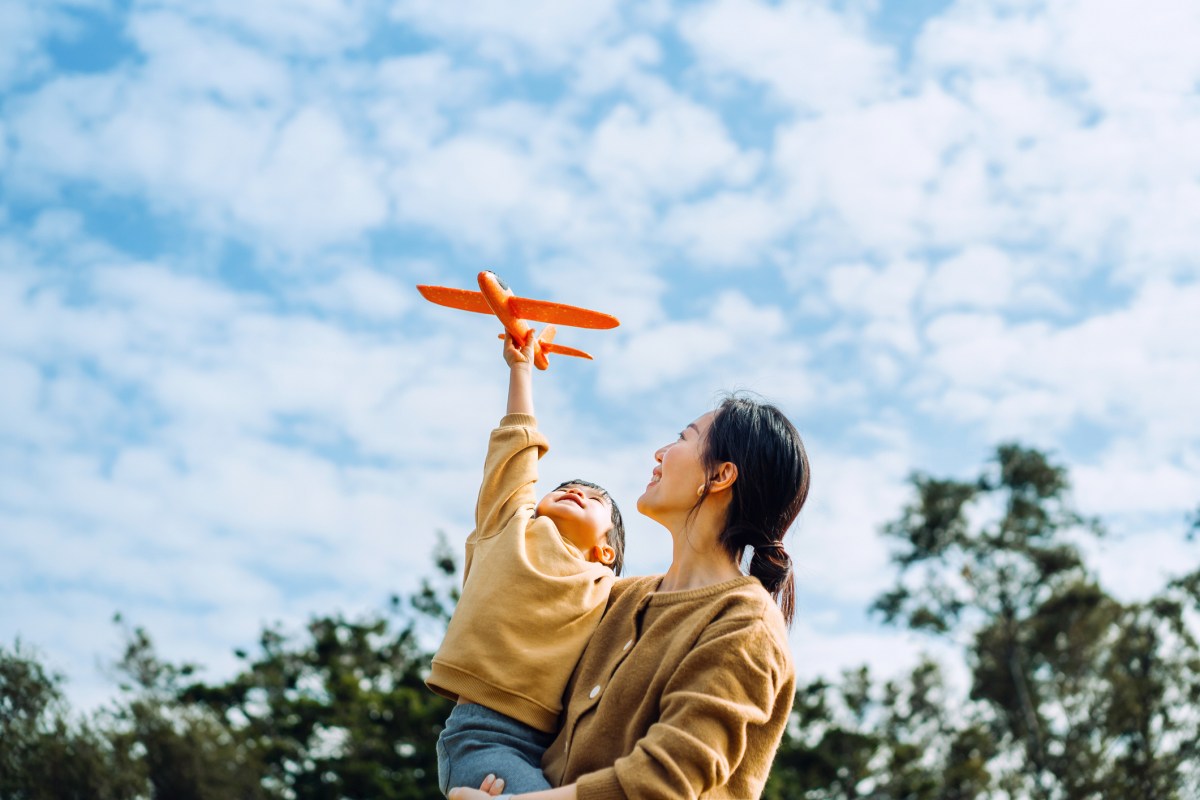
[509, 473]
[733, 679]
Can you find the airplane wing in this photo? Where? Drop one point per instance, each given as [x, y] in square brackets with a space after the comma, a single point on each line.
[456, 298]
[563, 350]
[560, 314]
[522, 307]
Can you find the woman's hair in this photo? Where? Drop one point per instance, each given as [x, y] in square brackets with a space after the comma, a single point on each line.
[771, 487]
[616, 534]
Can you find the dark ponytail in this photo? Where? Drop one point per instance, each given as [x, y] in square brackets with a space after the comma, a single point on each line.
[770, 490]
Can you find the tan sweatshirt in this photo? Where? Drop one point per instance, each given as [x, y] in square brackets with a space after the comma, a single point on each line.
[678, 695]
[530, 601]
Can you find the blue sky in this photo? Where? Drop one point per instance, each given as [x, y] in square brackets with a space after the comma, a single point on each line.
[922, 228]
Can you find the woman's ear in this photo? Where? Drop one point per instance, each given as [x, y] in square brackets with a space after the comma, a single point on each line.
[603, 554]
[724, 477]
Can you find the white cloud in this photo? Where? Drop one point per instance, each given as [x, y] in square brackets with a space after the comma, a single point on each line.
[673, 149]
[309, 27]
[480, 190]
[827, 650]
[729, 229]
[192, 60]
[877, 186]
[206, 129]
[984, 38]
[1142, 551]
[1131, 369]
[416, 96]
[22, 29]
[979, 277]
[312, 186]
[809, 55]
[1129, 479]
[1082, 115]
[1129, 55]
[657, 355]
[836, 545]
[514, 33]
[884, 297]
[362, 293]
[620, 65]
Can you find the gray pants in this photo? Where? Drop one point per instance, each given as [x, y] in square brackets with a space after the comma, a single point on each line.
[478, 742]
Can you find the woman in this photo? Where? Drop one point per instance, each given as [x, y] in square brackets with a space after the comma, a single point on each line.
[685, 688]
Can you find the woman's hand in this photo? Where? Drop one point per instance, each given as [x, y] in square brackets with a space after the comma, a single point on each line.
[490, 787]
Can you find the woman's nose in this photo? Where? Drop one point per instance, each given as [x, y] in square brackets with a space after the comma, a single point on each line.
[658, 454]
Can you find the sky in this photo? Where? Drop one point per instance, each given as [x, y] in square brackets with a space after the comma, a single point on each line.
[921, 227]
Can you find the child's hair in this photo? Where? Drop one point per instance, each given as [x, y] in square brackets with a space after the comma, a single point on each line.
[616, 536]
[771, 487]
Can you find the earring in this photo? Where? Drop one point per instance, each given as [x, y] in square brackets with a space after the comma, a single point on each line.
[700, 491]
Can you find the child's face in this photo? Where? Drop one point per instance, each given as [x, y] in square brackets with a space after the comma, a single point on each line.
[583, 515]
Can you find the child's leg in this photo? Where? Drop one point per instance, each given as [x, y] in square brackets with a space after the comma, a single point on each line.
[478, 742]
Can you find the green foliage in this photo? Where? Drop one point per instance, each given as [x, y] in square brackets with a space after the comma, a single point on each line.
[1079, 692]
[46, 756]
[339, 713]
[897, 740]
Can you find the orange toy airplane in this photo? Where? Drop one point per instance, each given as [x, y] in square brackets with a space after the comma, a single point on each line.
[494, 297]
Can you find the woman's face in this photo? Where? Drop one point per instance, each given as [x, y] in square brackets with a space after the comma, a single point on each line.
[674, 485]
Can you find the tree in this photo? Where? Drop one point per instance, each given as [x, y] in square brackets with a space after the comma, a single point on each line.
[1076, 688]
[900, 740]
[339, 712]
[44, 755]
[345, 712]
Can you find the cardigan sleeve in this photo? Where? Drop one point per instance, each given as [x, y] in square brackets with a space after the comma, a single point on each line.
[509, 473]
[731, 680]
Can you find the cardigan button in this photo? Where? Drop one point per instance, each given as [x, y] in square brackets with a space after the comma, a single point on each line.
[595, 691]
[628, 645]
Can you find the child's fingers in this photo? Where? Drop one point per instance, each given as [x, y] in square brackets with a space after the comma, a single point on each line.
[511, 351]
[492, 785]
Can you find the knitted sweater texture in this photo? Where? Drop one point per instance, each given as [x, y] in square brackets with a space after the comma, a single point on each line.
[530, 601]
[678, 695]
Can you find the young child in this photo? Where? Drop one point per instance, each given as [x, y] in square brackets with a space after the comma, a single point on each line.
[535, 583]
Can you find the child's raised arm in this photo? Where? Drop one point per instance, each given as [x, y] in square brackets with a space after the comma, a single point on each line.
[520, 375]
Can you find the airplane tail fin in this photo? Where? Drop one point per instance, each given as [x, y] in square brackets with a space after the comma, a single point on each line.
[543, 341]
[546, 347]
[563, 350]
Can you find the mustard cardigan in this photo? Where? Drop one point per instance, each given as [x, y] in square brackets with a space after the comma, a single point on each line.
[678, 695]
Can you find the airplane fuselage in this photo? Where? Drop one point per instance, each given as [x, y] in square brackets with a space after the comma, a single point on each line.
[497, 295]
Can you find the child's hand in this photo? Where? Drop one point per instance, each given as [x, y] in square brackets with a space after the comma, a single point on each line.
[463, 793]
[491, 787]
[518, 355]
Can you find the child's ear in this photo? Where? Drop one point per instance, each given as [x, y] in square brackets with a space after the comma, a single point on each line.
[604, 554]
